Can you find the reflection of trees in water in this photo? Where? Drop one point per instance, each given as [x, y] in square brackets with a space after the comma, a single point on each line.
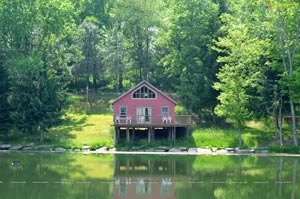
[78, 176]
[294, 178]
[278, 177]
[286, 178]
[50, 176]
[261, 181]
[218, 177]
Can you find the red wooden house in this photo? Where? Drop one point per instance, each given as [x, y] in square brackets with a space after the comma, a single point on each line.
[146, 113]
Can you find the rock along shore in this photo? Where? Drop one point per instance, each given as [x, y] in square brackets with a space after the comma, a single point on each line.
[31, 147]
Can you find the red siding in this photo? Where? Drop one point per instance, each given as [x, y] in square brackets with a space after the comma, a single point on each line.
[156, 104]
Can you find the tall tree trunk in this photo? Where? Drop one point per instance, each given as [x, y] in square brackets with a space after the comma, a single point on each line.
[95, 83]
[275, 116]
[95, 75]
[140, 52]
[214, 117]
[41, 136]
[239, 133]
[117, 83]
[120, 81]
[87, 90]
[146, 56]
[76, 84]
[294, 127]
[280, 123]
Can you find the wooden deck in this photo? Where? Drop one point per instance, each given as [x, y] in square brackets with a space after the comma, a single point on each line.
[151, 128]
[152, 121]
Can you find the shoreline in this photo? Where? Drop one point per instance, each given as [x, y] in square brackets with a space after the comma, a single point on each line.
[153, 153]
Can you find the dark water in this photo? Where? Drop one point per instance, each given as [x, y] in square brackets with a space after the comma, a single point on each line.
[147, 177]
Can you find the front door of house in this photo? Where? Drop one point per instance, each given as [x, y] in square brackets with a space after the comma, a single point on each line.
[143, 114]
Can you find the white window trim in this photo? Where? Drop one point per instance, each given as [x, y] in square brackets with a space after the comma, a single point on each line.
[121, 116]
[144, 98]
[161, 110]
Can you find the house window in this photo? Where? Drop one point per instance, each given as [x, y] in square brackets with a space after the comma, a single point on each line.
[165, 111]
[144, 92]
[123, 111]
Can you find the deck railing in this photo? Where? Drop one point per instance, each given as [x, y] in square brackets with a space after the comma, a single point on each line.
[152, 120]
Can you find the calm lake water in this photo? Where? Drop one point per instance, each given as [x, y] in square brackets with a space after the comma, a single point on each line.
[147, 176]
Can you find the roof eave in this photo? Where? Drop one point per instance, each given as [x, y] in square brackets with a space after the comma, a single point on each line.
[138, 85]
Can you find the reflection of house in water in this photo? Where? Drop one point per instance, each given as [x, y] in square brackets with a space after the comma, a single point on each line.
[148, 178]
[136, 188]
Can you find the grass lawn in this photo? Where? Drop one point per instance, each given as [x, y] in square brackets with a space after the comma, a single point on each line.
[85, 123]
[90, 124]
[227, 137]
[79, 129]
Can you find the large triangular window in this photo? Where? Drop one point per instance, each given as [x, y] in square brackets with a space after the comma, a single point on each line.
[144, 92]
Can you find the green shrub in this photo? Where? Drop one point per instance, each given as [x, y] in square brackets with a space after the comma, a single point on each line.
[95, 145]
[180, 110]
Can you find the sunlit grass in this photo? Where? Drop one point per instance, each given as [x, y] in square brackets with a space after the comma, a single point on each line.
[228, 137]
[84, 124]
[80, 129]
[214, 137]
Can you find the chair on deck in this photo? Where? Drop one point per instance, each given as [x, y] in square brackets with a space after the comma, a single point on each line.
[117, 119]
[128, 120]
[166, 120]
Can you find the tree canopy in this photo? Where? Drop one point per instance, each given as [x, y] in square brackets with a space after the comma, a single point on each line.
[222, 59]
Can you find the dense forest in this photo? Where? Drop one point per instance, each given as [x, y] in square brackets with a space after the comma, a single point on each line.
[230, 59]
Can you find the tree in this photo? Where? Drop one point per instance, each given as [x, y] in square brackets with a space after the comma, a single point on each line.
[289, 33]
[139, 21]
[115, 53]
[18, 19]
[190, 64]
[35, 38]
[282, 28]
[90, 51]
[97, 9]
[243, 69]
[4, 91]
[37, 101]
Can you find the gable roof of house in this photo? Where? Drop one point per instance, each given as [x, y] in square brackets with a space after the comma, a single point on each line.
[144, 82]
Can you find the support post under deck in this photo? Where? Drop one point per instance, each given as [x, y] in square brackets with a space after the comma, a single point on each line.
[149, 135]
[133, 134]
[116, 135]
[127, 135]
